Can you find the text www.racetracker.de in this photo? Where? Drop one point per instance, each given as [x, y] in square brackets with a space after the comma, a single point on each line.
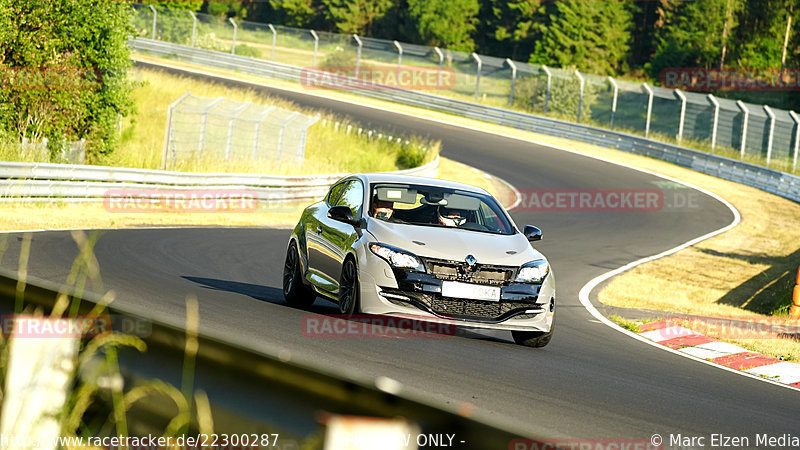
[149, 442]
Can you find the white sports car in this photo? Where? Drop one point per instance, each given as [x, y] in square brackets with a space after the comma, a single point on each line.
[423, 249]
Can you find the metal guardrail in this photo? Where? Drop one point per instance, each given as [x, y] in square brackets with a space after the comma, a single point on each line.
[44, 181]
[770, 180]
[261, 376]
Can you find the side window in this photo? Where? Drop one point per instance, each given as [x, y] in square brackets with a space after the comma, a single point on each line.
[333, 194]
[352, 196]
[490, 219]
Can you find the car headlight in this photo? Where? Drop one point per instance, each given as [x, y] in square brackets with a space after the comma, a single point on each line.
[533, 272]
[397, 258]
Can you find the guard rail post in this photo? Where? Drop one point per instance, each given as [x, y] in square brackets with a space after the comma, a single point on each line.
[513, 80]
[771, 135]
[547, 94]
[439, 73]
[274, 38]
[399, 58]
[745, 117]
[235, 29]
[477, 75]
[155, 15]
[316, 48]
[649, 109]
[683, 114]
[714, 102]
[358, 55]
[613, 100]
[194, 27]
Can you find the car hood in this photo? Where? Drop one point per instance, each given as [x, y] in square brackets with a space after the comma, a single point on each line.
[455, 244]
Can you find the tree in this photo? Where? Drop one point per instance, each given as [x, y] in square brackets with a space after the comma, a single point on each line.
[509, 28]
[761, 33]
[356, 16]
[445, 23]
[298, 13]
[695, 34]
[64, 63]
[588, 35]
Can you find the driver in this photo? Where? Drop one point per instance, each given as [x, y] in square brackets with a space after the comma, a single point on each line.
[382, 210]
[451, 217]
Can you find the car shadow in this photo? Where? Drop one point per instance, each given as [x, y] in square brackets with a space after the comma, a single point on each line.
[326, 308]
[260, 292]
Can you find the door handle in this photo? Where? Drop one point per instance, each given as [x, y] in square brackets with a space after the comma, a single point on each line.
[319, 230]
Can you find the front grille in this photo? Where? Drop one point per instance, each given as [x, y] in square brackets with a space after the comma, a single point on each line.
[458, 308]
[460, 271]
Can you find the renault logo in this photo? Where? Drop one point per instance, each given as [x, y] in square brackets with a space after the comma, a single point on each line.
[471, 261]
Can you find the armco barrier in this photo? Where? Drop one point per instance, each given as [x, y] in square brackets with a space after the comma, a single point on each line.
[40, 181]
[770, 180]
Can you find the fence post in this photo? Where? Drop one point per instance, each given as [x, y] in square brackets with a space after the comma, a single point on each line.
[155, 15]
[194, 26]
[796, 119]
[168, 130]
[513, 80]
[234, 115]
[316, 47]
[580, 99]
[613, 101]
[399, 59]
[772, 118]
[547, 94]
[683, 114]
[477, 75]
[745, 118]
[649, 109]
[274, 38]
[301, 149]
[258, 130]
[358, 56]
[235, 29]
[439, 73]
[203, 122]
[714, 101]
[283, 131]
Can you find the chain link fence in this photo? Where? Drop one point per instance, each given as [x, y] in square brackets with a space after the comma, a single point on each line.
[751, 132]
[219, 129]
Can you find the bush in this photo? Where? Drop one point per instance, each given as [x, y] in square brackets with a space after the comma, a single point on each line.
[531, 93]
[63, 69]
[411, 155]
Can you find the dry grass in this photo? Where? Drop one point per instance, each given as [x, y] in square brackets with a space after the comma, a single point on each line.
[329, 149]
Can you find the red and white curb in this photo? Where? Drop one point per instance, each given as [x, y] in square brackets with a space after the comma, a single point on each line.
[700, 346]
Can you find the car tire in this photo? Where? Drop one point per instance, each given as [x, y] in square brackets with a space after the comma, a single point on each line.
[295, 291]
[349, 288]
[536, 339]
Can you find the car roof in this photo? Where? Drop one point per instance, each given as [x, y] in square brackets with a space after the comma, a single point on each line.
[389, 177]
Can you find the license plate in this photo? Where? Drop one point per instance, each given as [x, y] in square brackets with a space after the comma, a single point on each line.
[471, 291]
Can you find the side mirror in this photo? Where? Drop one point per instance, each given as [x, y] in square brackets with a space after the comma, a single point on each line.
[532, 233]
[342, 213]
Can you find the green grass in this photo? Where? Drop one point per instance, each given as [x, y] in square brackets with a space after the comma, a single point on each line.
[329, 149]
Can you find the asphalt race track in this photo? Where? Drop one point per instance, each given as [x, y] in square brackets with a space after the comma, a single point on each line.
[590, 382]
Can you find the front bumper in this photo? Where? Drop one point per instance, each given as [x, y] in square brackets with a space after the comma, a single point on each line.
[522, 306]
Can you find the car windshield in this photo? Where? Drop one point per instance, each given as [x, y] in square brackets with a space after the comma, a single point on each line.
[438, 207]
